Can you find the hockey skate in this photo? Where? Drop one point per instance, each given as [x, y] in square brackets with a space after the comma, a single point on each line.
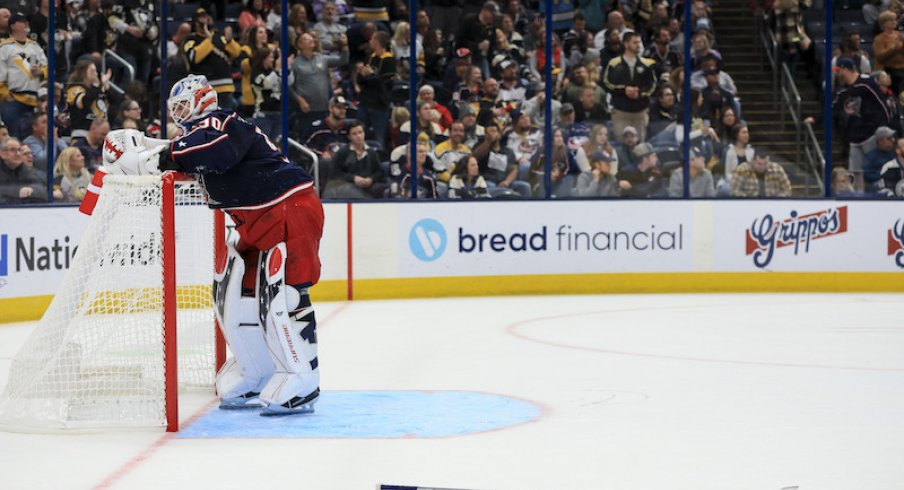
[295, 406]
[248, 400]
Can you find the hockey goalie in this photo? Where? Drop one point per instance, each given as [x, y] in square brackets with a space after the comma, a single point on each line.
[261, 288]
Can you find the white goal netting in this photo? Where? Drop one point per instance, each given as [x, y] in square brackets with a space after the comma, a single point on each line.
[96, 359]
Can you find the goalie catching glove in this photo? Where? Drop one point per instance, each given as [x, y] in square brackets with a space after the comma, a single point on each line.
[129, 152]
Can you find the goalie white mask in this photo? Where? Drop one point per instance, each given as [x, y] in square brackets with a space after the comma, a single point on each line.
[191, 98]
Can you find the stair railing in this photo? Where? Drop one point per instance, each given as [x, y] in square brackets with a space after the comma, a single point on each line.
[770, 48]
[315, 171]
[791, 106]
[816, 160]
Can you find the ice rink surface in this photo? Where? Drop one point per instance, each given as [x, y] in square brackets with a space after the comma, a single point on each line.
[694, 392]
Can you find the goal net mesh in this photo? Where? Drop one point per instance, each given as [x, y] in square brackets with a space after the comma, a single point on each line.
[96, 359]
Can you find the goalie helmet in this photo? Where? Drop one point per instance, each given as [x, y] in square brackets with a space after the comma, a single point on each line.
[191, 98]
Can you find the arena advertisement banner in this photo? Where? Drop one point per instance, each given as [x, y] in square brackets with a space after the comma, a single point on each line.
[807, 236]
[480, 238]
[37, 246]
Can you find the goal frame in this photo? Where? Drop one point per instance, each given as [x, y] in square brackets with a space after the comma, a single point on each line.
[170, 299]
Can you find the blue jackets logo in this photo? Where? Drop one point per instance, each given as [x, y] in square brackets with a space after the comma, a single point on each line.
[427, 240]
[895, 243]
[4, 256]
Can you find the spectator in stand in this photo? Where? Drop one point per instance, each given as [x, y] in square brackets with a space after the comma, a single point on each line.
[701, 184]
[737, 152]
[253, 39]
[311, 72]
[92, 145]
[600, 180]
[843, 183]
[37, 141]
[560, 179]
[401, 44]
[136, 23]
[329, 29]
[702, 48]
[327, 134]
[466, 181]
[428, 94]
[630, 138]
[375, 81]
[613, 49]
[716, 99]
[787, 24]
[664, 110]
[888, 46]
[575, 84]
[400, 172]
[5, 15]
[356, 172]
[631, 80]
[452, 150]
[211, 54]
[760, 177]
[129, 113]
[498, 165]
[477, 33]
[698, 77]
[18, 182]
[426, 125]
[645, 178]
[598, 142]
[505, 50]
[877, 157]
[252, 15]
[535, 107]
[524, 140]
[665, 57]
[23, 66]
[70, 177]
[850, 48]
[589, 109]
[266, 85]
[860, 109]
[511, 87]
[474, 133]
[86, 97]
[615, 23]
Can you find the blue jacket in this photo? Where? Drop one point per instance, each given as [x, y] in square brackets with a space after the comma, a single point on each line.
[238, 164]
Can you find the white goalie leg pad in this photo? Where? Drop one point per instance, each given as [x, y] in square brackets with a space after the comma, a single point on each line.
[290, 327]
[244, 375]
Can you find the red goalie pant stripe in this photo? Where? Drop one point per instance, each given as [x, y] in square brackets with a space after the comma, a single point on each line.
[296, 220]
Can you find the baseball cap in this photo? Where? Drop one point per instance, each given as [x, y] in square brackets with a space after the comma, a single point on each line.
[199, 12]
[642, 150]
[17, 17]
[844, 64]
[600, 156]
[885, 132]
[339, 100]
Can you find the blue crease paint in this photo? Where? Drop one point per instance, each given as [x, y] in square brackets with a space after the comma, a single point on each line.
[373, 414]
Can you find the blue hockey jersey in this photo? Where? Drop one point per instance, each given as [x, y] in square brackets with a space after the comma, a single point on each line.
[237, 163]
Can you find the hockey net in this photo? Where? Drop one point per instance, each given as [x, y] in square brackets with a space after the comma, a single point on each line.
[100, 357]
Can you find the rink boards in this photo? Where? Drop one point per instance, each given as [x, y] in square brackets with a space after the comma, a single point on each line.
[400, 249]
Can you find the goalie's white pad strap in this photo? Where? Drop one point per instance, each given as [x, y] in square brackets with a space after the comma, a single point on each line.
[251, 365]
[289, 336]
